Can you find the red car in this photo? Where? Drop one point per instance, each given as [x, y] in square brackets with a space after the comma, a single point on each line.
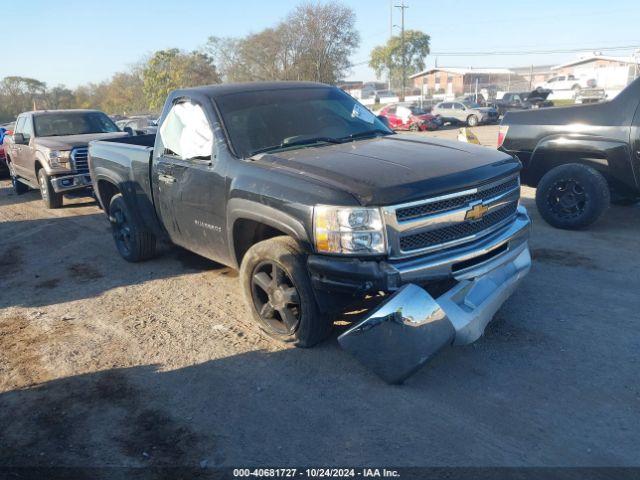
[410, 117]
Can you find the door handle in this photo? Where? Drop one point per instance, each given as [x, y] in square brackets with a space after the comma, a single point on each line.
[163, 177]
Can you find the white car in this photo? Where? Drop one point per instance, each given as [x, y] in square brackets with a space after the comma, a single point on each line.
[568, 82]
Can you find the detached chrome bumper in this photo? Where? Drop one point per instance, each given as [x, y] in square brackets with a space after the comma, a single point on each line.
[71, 182]
[407, 330]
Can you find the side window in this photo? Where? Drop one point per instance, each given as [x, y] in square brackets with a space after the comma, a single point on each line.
[27, 129]
[186, 133]
[458, 106]
[19, 125]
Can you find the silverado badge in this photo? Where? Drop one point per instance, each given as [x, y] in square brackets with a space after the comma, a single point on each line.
[476, 212]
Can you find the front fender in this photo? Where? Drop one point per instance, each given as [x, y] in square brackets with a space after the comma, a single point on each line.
[244, 209]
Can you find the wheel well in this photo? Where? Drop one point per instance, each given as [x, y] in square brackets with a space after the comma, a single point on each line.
[247, 233]
[38, 167]
[543, 162]
[107, 191]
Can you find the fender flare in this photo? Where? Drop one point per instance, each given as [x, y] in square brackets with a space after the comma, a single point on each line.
[244, 209]
[562, 148]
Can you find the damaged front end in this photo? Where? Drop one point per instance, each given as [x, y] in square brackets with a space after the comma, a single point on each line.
[412, 326]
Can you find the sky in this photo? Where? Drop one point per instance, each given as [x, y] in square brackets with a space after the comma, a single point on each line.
[78, 41]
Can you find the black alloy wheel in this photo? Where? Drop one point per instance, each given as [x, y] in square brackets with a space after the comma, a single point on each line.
[567, 199]
[276, 298]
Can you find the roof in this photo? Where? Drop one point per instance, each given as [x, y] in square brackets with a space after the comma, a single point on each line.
[36, 113]
[464, 71]
[593, 57]
[228, 88]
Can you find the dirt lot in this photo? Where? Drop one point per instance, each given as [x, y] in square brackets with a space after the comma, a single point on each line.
[107, 363]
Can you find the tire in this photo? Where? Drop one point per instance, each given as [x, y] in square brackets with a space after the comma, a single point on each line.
[414, 127]
[18, 187]
[572, 196]
[133, 242]
[50, 198]
[300, 322]
[472, 120]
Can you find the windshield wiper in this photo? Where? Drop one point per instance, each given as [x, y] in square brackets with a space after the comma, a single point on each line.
[366, 133]
[296, 143]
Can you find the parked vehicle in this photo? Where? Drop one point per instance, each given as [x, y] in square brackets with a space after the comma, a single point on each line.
[578, 157]
[138, 125]
[3, 159]
[473, 98]
[410, 117]
[48, 151]
[568, 82]
[591, 95]
[318, 203]
[523, 101]
[468, 113]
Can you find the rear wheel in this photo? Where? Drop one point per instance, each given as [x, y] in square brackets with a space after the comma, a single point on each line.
[279, 294]
[133, 243]
[572, 196]
[50, 198]
[472, 120]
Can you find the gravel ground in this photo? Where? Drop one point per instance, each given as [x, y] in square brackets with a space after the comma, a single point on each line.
[108, 363]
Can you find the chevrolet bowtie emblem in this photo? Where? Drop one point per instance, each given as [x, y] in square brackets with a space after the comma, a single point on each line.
[476, 212]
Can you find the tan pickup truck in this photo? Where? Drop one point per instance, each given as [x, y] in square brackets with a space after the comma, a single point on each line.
[48, 151]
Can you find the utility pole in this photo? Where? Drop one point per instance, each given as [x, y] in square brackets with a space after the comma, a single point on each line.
[402, 8]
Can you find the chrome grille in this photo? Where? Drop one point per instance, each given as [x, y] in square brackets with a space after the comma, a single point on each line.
[440, 236]
[79, 159]
[452, 219]
[417, 211]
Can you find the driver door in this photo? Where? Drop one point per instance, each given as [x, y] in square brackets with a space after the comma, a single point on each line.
[189, 183]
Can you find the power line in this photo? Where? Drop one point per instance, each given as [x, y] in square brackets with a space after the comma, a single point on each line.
[532, 52]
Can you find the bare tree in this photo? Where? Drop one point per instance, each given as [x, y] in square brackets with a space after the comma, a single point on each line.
[314, 42]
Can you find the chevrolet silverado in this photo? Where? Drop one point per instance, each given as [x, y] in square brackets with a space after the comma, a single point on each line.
[318, 203]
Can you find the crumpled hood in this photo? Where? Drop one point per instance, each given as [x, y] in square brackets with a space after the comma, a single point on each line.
[68, 142]
[395, 168]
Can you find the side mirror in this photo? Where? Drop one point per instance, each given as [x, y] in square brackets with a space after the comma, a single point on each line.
[18, 139]
[384, 120]
[129, 131]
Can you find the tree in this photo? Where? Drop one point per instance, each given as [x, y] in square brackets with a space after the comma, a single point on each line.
[314, 42]
[171, 69]
[18, 94]
[387, 59]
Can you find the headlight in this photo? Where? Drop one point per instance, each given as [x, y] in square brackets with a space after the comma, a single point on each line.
[59, 158]
[349, 230]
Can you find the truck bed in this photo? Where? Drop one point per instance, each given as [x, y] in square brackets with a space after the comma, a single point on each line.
[127, 162]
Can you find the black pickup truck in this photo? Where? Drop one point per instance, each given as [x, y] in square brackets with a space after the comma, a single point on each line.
[319, 204]
[523, 101]
[580, 158]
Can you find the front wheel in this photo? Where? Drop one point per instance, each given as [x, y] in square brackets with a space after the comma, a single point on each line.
[18, 187]
[50, 198]
[572, 196]
[132, 241]
[472, 121]
[278, 292]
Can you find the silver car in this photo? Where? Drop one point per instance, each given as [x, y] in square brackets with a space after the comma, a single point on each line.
[465, 112]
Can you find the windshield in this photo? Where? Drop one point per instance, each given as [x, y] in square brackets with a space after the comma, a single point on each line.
[267, 120]
[73, 123]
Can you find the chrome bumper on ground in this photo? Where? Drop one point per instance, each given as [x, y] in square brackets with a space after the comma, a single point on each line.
[407, 330]
[71, 182]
